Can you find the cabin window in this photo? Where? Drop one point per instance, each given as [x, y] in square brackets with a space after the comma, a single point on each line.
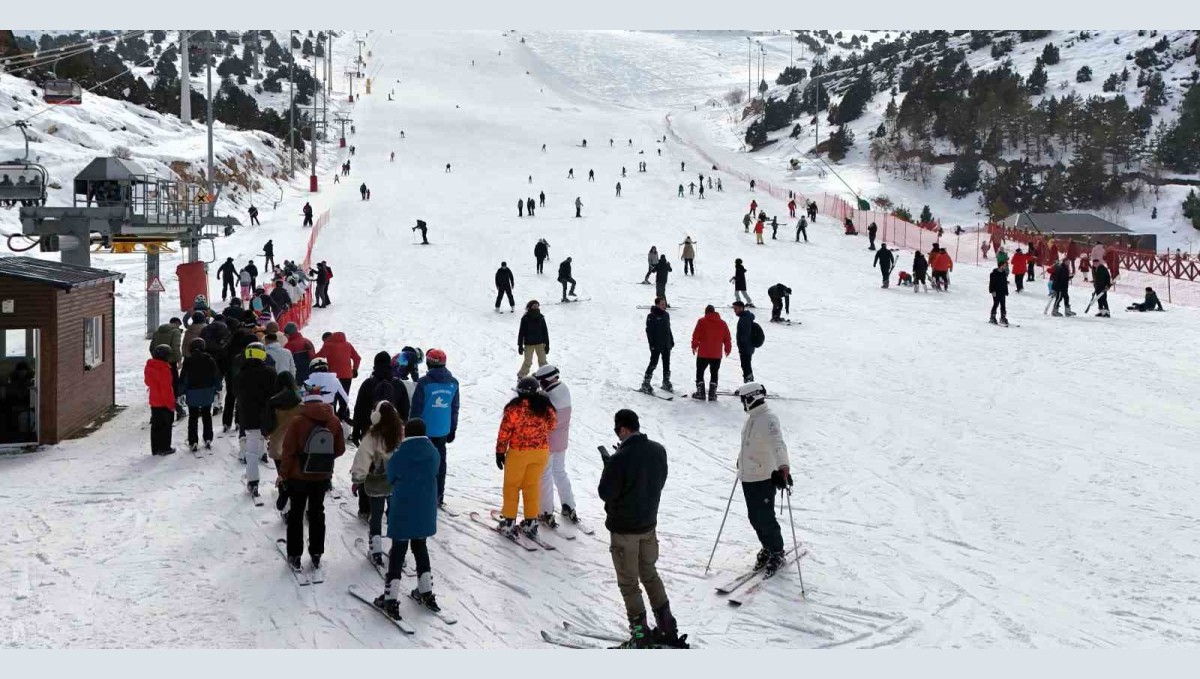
[93, 342]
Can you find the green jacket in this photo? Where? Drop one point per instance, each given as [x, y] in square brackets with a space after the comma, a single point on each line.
[172, 336]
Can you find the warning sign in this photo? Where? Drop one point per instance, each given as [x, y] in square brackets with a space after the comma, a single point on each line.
[155, 285]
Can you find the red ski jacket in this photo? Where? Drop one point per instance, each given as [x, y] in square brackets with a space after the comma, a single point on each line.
[159, 380]
[1020, 263]
[343, 359]
[710, 335]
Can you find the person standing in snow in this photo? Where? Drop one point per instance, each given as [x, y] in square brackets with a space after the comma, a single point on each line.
[532, 337]
[278, 356]
[920, 268]
[160, 382]
[363, 191]
[774, 227]
[871, 231]
[520, 207]
[227, 274]
[763, 469]
[745, 340]
[618, 189]
[661, 270]
[802, 229]
[529, 206]
[758, 231]
[541, 199]
[591, 175]
[651, 262]
[199, 378]
[368, 473]
[281, 408]
[331, 387]
[555, 474]
[578, 207]
[308, 214]
[522, 451]
[564, 277]
[1101, 280]
[269, 255]
[1019, 263]
[885, 260]
[680, 193]
[424, 229]
[661, 341]
[255, 386]
[504, 286]
[709, 337]
[1060, 285]
[541, 251]
[689, 256]
[998, 287]
[739, 283]
[435, 400]
[746, 219]
[307, 473]
[245, 283]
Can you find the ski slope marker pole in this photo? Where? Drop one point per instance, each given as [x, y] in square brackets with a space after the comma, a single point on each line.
[722, 528]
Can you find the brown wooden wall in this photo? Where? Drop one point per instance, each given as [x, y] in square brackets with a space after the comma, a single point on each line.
[35, 306]
[81, 394]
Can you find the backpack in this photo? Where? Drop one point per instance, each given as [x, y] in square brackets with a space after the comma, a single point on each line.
[257, 304]
[756, 334]
[317, 456]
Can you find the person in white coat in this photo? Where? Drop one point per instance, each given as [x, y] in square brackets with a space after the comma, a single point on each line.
[763, 469]
[331, 387]
[368, 473]
[284, 362]
[555, 474]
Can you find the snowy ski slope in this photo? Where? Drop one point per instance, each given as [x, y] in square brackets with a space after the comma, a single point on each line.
[958, 485]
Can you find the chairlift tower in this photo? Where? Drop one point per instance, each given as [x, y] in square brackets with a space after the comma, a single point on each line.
[343, 121]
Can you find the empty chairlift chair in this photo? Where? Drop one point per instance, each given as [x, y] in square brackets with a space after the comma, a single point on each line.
[62, 92]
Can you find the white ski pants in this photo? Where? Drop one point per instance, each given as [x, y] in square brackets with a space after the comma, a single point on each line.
[254, 450]
[556, 475]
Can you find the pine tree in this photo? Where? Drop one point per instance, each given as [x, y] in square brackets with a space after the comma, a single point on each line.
[756, 134]
[1110, 83]
[840, 142]
[1050, 54]
[964, 176]
[1179, 148]
[854, 101]
[1084, 74]
[926, 215]
[1156, 92]
[1191, 208]
[791, 75]
[1037, 78]
[307, 48]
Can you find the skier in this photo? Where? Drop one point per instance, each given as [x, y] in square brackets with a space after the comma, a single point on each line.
[753, 206]
[591, 175]
[661, 341]
[1151, 303]
[199, 322]
[758, 231]
[555, 474]
[702, 192]
[631, 486]
[541, 251]
[774, 227]
[314, 439]
[242, 337]
[940, 262]
[1020, 263]
[160, 382]
[447, 168]
[522, 451]
[435, 401]
[255, 385]
[885, 260]
[571, 173]
[381, 385]
[802, 229]
[791, 208]
[504, 286]
[763, 470]
[331, 387]
[746, 219]
[424, 231]
[520, 207]
[564, 277]
[301, 349]
[618, 189]
[1060, 280]
[710, 335]
[739, 283]
[651, 262]
[680, 193]
[692, 188]
[363, 191]
[368, 473]
[622, 171]
[253, 211]
[281, 408]
[269, 255]
[529, 206]
[661, 270]
[781, 301]
[745, 340]
[689, 256]
[812, 211]
[532, 337]
[1101, 280]
[871, 231]
[920, 266]
[412, 471]
[998, 287]
[343, 360]
[752, 185]
[308, 213]
[541, 199]
[578, 206]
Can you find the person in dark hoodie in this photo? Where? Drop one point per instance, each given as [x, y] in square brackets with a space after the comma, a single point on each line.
[253, 271]
[504, 286]
[885, 260]
[302, 350]
[541, 251]
[281, 299]
[661, 270]
[382, 385]
[306, 490]
[227, 274]
[255, 386]
[745, 342]
[998, 287]
[198, 379]
[781, 301]
[236, 352]
[435, 401]
[532, 337]
[920, 267]
[281, 409]
[658, 335]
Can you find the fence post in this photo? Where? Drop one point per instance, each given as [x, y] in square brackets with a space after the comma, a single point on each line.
[1169, 290]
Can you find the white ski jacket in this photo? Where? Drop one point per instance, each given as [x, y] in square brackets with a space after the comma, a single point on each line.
[560, 398]
[763, 449]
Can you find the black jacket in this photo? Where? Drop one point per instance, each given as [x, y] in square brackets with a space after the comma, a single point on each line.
[199, 371]
[281, 298]
[373, 390]
[255, 386]
[998, 283]
[739, 277]
[504, 278]
[661, 270]
[745, 322]
[781, 293]
[541, 250]
[884, 259]
[252, 269]
[269, 248]
[227, 272]
[920, 264]
[1101, 278]
[1061, 278]
[216, 336]
[631, 485]
[658, 330]
[564, 271]
[533, 330]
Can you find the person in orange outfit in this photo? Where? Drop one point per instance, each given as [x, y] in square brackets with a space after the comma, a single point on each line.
[758, 231]
[522, 451]
[942, 265]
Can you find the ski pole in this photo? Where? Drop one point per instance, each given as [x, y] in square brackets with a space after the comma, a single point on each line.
[795, 543]
[722, 528]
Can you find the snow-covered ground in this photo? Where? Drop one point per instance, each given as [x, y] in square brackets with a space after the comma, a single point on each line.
[957, 486]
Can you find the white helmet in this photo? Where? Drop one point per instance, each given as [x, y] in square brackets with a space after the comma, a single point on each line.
[752, 394]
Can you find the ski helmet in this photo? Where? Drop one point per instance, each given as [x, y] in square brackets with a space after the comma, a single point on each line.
[201, 301]
[546, 375]
[318, 365]
[255, 351]
[528, 385]
[196, 345]
[752, 395]
[161, 351]
[435, 358]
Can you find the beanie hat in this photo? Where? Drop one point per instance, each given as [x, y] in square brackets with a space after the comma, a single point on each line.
[290, 329]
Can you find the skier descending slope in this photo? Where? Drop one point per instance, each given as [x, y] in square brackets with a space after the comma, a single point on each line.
[631, 487]
[710, 335]
[564, 277]
[435, 400]
[556, 469]
[762, 468]
[522, 451]
[658, 335]
[739, 283]
[368, 473]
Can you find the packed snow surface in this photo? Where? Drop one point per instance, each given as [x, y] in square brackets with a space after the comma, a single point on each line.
[957, 485]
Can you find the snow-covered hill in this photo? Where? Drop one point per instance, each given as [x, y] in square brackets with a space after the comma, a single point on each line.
[956, 486]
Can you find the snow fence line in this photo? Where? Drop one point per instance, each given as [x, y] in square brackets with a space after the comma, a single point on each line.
[1132, 270]
[300, 312]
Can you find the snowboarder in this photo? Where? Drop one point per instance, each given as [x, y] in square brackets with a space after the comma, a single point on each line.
[160, 382]
[661, 270]
[661, 341]
[541, 251]
[520, 207]
[308, 213]
[564, 277]
[269, 255]
[1060, 282]
[920, 267]
[435, 401]
[745, 340]
[555, 475]
[885, 260]
[578, 206]
[631, 487]
[710, 335]
[781, 301]
[424, 229]
[763, 470]
[689, 256]
[1101, 280]
[1151, 303]
[368, 473]
[533, 338]
[998, 287]
[504, 286]
[739, 283]
[522, 451]
[651, 262]
[314, 439]
[254, 216]
[872, 229]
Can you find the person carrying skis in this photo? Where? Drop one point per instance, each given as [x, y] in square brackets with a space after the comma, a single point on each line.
[689, 256]
[412, 471]
[314, 439]
[781, 300]
[920, 267]
[802, 229]
[709, 337]
[745, 340]
[555, 474]
[885, 260]
[1060, 285]
[541, 252]
[661, 341]
[522, 451]
[308, 214]
[368, 472]
[739, 283]
[998, 287]
[424, 229]
[160, 382]
[255, 385]
[661, 270]
[651, 262]
[564, 277]
[532, 337]
[763, 469]
[1020, 262]
[1101, 280]
[631, 487]
[435, 400]
[578, 206]
[1150, 303]
[504, 286]
[872, 229]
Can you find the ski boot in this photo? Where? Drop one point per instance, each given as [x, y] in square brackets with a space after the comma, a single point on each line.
[264, 460]
[666, 384]
[208, 445]
[775, 561]
[568, 512]
[1069, 312]
[548, 519]
[646, 388]
[294, 563]
[389, 601]
[712, 391]
[193, 446]
[529, 528]
[377, 550]
[639, 636]
[508, 528]
[666, 632]
[699, 391]
[760, 561]
[1056, 313]
[992, 320]
[316, 560]
[1004, 321]
[423, 594]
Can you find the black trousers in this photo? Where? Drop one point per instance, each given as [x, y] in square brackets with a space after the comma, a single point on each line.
[196, 415]
[269, 262]
[747, 369]
[998, 303]
[308, 497]
[801, 232]
[1102, 300]
[160, 428]
[655, 353]
[871, 237]
[308, 220]
[376, 506]
[577, 211]
[714, 368]
[439, 442]
[500, 295]
[228, 287]
[887, 273]
[689, 266]
[254, 221]
[1030, 274]
[400, 550]
[540, 262]
[323, 294]
[229, 409]
[564, 284]
[1062, 296]
[1019, 279]
[776, 309]
[339, 404]
[760, 508]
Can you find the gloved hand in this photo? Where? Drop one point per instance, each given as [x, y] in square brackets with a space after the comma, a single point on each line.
[356, 440]
[781, 479]
[354, 373]
[499, 460]
[354, 488]
[450, 437]
[520, 349]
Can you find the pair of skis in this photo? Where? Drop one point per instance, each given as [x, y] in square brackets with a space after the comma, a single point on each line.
[313, 576]
[577, 636]
[758, 578]
[655, 394]
[520, 538]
